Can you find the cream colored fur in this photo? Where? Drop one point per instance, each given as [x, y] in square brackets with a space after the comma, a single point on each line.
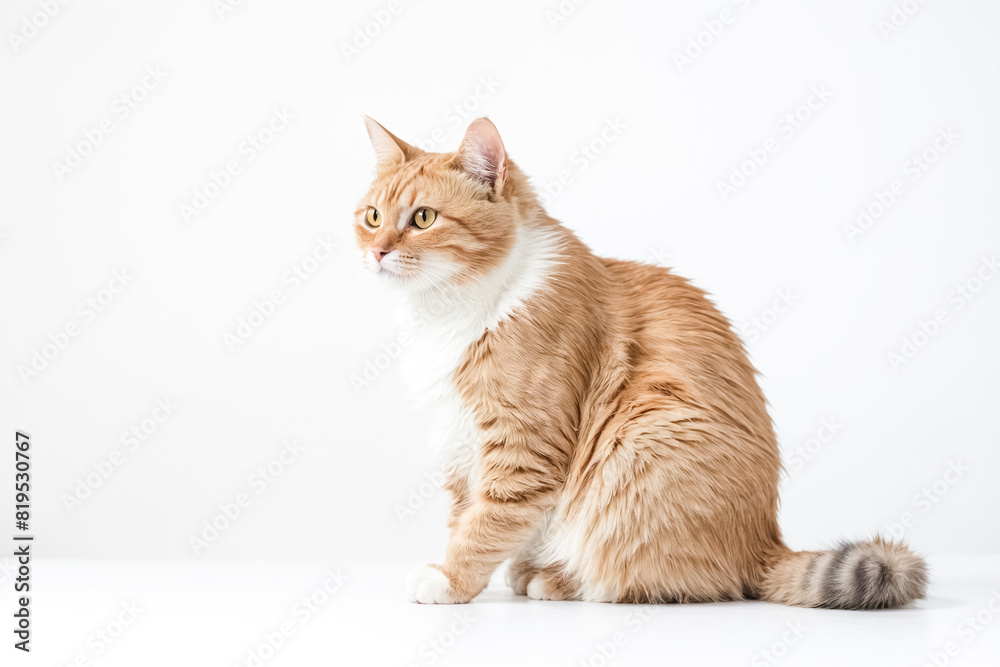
[601, 424]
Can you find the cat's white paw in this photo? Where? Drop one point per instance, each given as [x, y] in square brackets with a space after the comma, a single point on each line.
[428, 585]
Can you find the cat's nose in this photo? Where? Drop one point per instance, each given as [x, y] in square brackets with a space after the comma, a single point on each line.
[380, 251]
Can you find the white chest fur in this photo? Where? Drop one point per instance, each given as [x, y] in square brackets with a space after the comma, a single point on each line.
[446, 321]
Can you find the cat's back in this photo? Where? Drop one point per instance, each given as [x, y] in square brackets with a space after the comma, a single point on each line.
[680, 337]
[665, 306]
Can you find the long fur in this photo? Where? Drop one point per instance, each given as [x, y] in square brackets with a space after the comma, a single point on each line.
[601, 423]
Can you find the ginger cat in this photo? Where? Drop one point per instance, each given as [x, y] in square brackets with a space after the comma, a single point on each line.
[602, 425]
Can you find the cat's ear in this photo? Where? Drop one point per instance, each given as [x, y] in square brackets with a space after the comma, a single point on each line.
[482, 154]
[389, 149]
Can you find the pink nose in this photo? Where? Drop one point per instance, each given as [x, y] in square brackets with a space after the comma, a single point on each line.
[380, 252]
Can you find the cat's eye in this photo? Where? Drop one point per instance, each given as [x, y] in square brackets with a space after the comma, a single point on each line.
[424, 217]
[373, 218]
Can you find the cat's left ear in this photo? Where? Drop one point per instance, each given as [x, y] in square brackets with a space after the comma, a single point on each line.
[482, 154]
[389, 149]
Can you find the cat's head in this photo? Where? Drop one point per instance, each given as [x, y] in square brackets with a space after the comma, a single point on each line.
[437, 219]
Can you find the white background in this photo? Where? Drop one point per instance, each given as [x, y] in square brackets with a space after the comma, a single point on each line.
[651, 194]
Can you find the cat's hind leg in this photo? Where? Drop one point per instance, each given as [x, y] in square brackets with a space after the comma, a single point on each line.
[675, 503]
[539, 582]
[552, 583]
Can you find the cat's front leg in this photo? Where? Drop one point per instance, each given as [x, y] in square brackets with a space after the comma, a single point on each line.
[457, 487]
[505, 504]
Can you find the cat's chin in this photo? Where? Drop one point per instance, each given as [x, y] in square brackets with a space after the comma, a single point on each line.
[404, 283]
[395, 280]
[410, 282]
[385, 273]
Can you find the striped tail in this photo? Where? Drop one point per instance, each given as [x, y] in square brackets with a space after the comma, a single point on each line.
[857, 575]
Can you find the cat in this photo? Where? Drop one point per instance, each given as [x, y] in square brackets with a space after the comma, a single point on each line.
[601, 424]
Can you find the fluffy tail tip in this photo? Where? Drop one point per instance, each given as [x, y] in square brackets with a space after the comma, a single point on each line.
[877, 574]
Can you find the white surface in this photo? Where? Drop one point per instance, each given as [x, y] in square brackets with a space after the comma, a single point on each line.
[214, 613]
[827, 311]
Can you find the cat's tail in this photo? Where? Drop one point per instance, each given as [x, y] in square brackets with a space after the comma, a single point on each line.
[857, 575]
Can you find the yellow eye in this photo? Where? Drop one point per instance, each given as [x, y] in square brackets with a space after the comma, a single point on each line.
[373, 217]
[424, 217]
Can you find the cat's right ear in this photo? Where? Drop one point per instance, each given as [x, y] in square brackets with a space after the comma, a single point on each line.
[389, 149]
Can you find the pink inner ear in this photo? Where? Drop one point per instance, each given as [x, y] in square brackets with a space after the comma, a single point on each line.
[483, 154]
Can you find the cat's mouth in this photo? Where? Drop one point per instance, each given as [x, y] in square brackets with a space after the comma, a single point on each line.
[400, 269]
[408, 272]
[384, 268]
[391, 273]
